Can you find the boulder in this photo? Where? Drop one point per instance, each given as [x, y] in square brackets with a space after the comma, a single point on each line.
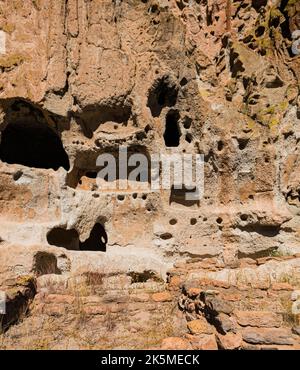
[200, 326]
[230, 341]
[261, 319]
[267, 336]
[175, 343]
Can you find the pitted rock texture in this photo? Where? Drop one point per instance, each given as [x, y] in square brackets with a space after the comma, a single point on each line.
[219, 78]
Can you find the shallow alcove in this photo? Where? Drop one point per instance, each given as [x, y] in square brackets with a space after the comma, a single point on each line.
[92, 173]
[269, 231]
[143, 277]
[115, 114]
[180, 196]
[45, 263]
[172, 133]
[33, 144]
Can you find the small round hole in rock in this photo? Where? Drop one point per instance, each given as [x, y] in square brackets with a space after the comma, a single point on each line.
[121, 198]
[187, 122]
[219, 220]
[17, 175]
[183, 82]
[173, 221]
[242, 143]
[189, 138]
[166, 236]
[263, 52]
[260, 31]
[153, 8]
[193, 221]
[244, 217]
[220, 145]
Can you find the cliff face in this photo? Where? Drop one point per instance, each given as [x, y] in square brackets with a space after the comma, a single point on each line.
[81, 78]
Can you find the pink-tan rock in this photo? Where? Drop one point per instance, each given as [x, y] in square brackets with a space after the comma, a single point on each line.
[113, 261]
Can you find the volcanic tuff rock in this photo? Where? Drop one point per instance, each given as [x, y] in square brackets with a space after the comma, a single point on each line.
[214, 77]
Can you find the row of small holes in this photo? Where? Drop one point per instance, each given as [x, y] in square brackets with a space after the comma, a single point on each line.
[173, 221]
[134, 196]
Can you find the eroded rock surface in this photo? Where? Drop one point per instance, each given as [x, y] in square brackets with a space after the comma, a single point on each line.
[219, 78]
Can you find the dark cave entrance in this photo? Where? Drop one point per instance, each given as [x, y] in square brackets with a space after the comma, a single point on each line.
[163, 93]
[285, 26]
[69, 239]
[63, 238]
[32, 144]
[97, 240]
[172, 132]
[257, 4]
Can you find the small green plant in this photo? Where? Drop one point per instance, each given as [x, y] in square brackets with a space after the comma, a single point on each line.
[278, 253]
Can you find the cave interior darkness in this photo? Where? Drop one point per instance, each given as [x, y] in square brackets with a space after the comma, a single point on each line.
[69, 239]
[32, 144]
